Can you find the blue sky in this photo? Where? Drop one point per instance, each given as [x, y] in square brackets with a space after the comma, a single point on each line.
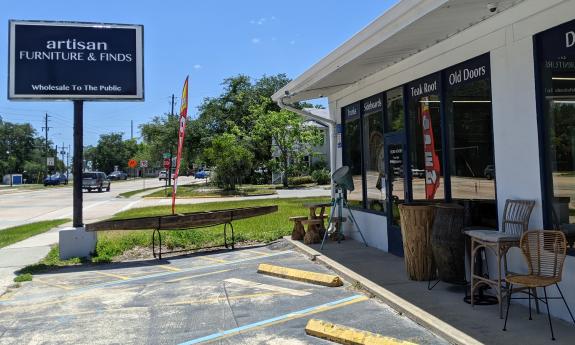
[209, 40]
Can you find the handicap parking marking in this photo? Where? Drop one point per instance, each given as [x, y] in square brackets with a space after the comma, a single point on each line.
[269, 287]
[278, 319]
[136, 279]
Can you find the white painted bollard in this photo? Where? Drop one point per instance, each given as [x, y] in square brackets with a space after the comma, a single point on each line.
[76, 242]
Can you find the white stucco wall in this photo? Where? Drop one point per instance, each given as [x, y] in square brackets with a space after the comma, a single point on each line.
[508, 38]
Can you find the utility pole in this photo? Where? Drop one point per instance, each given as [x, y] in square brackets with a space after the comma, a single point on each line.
[131, 129]
[68, 162]
[46, 129]
[63, 153]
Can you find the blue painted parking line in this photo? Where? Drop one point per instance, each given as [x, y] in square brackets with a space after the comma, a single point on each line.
[130, 280]
[277, 319]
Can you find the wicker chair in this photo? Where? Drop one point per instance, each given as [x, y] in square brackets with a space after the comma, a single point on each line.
[544, 252]
[515, 222]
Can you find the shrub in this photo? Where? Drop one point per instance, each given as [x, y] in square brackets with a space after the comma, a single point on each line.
[299, 180]
[321, 176]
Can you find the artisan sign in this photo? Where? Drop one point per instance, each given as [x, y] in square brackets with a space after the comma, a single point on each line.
[57, 60]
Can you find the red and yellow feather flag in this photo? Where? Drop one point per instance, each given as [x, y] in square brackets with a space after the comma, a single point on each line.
[181, 135]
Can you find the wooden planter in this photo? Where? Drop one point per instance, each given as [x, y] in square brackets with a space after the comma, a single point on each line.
[416, 223]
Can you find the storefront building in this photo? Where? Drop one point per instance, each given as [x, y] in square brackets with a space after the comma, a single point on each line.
[455, 101]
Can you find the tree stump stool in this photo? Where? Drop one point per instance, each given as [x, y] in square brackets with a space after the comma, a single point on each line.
[312, 233]
[298, 231]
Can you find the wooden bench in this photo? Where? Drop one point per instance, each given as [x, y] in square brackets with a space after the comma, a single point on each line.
[185, 221]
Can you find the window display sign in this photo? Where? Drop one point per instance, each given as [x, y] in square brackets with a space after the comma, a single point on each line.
[58, 60]
[556, 49]
[372, 104]
[469, 71]
[424, 86]
[351, 111]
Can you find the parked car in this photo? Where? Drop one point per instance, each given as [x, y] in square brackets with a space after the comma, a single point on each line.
[118, 175]
[55, 179]
[202, 174]
[163, 175]
[95, 180]
[489, 172]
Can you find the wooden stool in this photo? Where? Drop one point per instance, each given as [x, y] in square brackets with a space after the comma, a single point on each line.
[312, 233]
[298, 231]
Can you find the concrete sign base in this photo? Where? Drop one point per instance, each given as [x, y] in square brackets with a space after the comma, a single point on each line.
[76, 242]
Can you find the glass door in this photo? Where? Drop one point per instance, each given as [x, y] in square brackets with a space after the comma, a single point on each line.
[395, 188]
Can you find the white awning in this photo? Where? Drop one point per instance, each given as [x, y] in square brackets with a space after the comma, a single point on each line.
[404, 30]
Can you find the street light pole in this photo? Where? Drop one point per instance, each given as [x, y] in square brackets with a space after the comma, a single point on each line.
[9, 168]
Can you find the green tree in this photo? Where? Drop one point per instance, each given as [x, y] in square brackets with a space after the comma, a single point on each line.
[232, 160]
[292, 138]
[110, 151]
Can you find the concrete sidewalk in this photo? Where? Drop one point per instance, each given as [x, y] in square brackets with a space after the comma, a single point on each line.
[24, 253]
[442, 309]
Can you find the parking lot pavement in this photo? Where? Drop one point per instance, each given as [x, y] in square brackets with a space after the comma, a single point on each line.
[205, 298]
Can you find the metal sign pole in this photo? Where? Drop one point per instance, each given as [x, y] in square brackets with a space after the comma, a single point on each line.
[78, 162]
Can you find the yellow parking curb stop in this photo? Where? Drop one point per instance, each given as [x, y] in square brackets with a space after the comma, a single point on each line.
[347, 335]
[299, 275]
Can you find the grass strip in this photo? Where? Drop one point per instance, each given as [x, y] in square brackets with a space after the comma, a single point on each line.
[19, 233]
[137, 191]
[203, 191]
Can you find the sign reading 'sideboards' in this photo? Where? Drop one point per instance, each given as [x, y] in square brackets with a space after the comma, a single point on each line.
[57, 60]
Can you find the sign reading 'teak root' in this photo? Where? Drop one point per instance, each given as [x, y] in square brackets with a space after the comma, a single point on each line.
[60, 60]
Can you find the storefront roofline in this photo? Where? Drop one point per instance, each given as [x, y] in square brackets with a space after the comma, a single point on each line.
[402, 31]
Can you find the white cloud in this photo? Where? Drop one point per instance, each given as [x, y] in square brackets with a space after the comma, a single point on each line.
[256, 40]
[198, 66]
[261, 21]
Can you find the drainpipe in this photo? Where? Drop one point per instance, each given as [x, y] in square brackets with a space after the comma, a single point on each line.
[331, 124]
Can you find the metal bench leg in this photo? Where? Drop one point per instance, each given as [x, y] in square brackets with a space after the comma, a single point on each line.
[225, 236]
[154, 243]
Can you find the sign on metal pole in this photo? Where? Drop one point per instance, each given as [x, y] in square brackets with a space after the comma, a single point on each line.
[58, 60]
[166, 163]
[143, 164]
[50, 161]
[132, 163]
[78, 62]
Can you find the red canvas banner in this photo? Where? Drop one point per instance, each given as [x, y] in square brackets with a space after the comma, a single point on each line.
[181, 135]
[432, 167]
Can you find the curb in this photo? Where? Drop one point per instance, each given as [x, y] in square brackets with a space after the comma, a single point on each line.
[427, 320]
[347, 335]
[328, 280]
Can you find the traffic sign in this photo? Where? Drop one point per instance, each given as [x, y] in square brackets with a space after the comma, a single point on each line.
[50, 161]
[166, 155]
[143, 164]
[166, 163]
[132, 163]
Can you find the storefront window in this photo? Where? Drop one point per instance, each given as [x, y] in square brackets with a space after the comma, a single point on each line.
[352, 155]
[425, 139]
[469, 128]
[395, 113]
[556, 60]
[373, 151]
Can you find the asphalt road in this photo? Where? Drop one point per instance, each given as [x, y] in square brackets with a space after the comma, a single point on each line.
[21, 207]
[204, 298]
